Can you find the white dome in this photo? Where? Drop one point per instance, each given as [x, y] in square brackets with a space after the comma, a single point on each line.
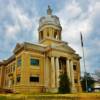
[49, 19]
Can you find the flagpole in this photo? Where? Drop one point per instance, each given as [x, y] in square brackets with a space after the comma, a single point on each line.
[84, 60]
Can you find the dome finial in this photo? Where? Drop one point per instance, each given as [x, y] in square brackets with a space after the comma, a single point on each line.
[49, 10]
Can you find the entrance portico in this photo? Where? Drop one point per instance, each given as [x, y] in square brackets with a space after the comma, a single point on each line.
[60, 65]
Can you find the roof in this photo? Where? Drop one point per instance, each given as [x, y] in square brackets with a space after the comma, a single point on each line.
[53, 40]
[32, 46]
[61, 46]
[11, 58]
[1, 63]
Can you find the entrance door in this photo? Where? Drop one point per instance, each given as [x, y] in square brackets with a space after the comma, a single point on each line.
[62, 64]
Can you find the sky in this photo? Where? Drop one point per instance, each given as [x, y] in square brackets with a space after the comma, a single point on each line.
[19, 20]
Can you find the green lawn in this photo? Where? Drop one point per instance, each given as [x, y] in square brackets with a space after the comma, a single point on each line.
[48, 96]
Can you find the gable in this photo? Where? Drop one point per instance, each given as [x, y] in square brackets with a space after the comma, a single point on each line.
[63, 47]
[17, 47]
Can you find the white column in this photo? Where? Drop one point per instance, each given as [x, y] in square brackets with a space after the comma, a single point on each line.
[46, 74]
[72, 76]
[57, 72]
[68, 68]
[52, 72]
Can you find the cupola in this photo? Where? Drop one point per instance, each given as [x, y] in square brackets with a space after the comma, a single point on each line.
[49, 26]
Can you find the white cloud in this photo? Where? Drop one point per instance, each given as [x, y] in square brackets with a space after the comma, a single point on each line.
[19, 27]
[23, 23]
[11, 31]
[73, 20]
[19, 16]
[73, 26]
[73, 9]
[23, 19]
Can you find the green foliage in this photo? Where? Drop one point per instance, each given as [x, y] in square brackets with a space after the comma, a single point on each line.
[2, 97]
[97, 73]
[90, 81]
[64, 84]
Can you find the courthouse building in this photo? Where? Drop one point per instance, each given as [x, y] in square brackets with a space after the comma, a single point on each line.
[36, 67]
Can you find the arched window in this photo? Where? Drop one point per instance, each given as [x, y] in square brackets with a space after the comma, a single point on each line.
[47, 32]
[55, 34]
[41, 35]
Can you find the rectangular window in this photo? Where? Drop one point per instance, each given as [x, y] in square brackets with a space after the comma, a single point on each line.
[12, 81]
[34, 62]
[74, 67]
[13, 67]
[19, 62]
[34, 78]
[75, 80]
[18, 79]
[6, 71]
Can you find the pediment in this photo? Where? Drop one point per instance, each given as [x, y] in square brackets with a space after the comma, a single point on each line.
[64, 47]
[17, 46]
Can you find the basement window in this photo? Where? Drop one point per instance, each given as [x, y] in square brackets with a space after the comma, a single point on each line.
[18, 79]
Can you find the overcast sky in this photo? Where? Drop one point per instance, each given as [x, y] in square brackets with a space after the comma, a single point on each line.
[19, 23]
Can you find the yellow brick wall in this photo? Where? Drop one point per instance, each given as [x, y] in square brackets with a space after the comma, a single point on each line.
[26, 70]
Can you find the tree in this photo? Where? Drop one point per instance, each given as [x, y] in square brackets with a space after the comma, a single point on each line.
[97, 73]
[90, 82]
[64, 84]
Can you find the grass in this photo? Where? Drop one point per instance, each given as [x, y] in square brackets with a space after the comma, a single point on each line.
[2, 97]
[49, 96]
